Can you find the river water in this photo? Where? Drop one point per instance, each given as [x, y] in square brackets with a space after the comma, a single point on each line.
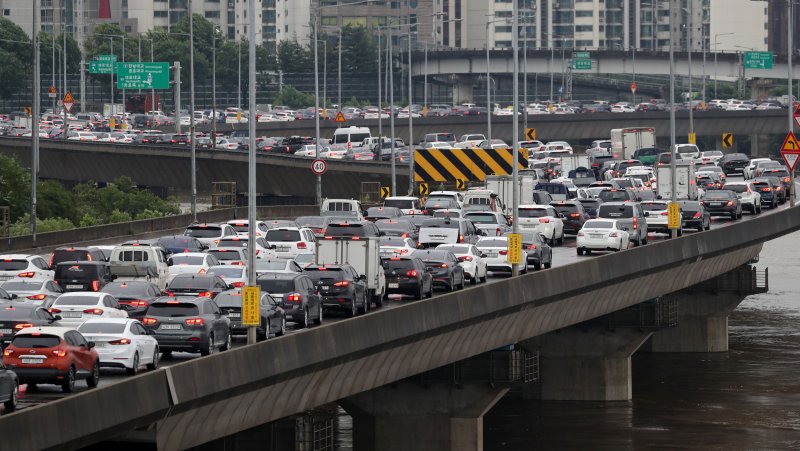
[747, 398]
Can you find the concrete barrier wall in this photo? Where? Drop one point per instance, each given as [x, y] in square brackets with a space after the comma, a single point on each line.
[256, 384]
[127, 229]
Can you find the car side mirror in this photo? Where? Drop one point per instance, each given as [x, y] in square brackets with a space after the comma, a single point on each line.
[362, 277]
[204, 247]
[273, 247]
[91, 344]
[484, 255]
[57, 318]
[13, 296]
[113, 277]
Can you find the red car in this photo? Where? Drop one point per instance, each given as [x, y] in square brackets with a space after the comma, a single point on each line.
[52, 355]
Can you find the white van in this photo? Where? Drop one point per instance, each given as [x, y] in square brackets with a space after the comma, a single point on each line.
[344, 208]
[407, 204]
[354, 136]
[483, 200]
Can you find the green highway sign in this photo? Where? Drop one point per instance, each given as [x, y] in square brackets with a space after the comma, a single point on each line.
[103, 64]
[580, 54]
[143, 75]
[758, 60]
[581, 64]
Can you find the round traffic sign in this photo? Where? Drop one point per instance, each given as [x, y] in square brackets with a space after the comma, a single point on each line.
[633, 87]
[318, 167]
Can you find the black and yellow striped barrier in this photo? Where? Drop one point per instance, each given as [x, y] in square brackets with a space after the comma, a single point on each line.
[442, 165]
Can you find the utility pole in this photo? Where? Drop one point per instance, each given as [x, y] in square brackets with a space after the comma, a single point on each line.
[214, 89]
[317, 136]
[789, 51]
[36, 82]
[66, 89]
[251, 159]
[410, 122]
[177, 66]
[391, 110]
[191, 114]
[380, 108]
[689, 34]
[673, 168]
[515, 128]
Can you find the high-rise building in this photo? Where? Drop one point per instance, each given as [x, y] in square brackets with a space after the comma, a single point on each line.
[777, 11]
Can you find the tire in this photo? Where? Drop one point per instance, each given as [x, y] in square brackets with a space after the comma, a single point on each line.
[154, 364]
[549, 264]
[418, 294]
[485, 277]
[11, 404]
[353, 309]
[452, 285]
[643, 241]
[210, 348]
[68, 385]
[228, 342]
[378, 300]
[636, 243]
[537, 266]
[733, 216]
[94, 379]
[561, 240]
[474, 280]
[318, 319]
[135, 367]
[588, 252]
[364, 307]
[580, 251]
[305, 323]
[282, 330]
[430, 291]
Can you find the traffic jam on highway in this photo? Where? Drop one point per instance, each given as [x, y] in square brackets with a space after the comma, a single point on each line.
[80, 313]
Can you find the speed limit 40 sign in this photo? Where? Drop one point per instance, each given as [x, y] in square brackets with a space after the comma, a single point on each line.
[318, 167]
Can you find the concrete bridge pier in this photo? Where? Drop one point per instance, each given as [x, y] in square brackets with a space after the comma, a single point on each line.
[585, 363]
[703, 310]
[463, 90]
[407, 415]
[759, 146]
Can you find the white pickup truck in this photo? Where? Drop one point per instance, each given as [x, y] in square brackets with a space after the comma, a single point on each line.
[363, 254]
[140, 262]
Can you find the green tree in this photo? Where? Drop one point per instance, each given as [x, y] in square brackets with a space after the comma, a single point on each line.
[294, 58]
[15, 70]
[23, 225]
[293, 98]
[46, 42]
[359, 52]
[15, 186]
[55, 201]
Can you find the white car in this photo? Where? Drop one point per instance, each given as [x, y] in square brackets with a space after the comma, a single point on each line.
[236, 256]
[601, 235]
[710, 157]
[291, 241]
[122, 343]
[657, 216]
[209, 234]
[281, 265]
[263, 249]
[747, 194]
[190, 263]
[33, 291]
[79, 306]
[333, 153]
[24, 266]
[749, 170]
[310, 151]
[234, 276]
[558, 145]
[83, 136]
[395, 246]
[622, 109]
[470, 258]
[242, 227]
[543, 219]
[496, 250]
[438, 145]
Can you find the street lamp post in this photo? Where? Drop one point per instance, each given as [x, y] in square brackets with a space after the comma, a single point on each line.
[515, 130]
[789, 100]
[214, 88]
[153, 106]
[672, 162]
[35, 116]
[489, 107]
[716, 50]
[251, 158]
[689, 34]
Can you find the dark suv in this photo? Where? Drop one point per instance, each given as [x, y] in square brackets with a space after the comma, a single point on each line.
[341, 287]
[76, 254]
[83, 276]
[189, 325]
[733, 162]
[408, 276]
[574, 215]
[297, 294]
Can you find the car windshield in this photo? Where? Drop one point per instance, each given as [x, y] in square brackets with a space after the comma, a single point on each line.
[615, 211]
[76, 300]
[232, 243]
[13, 265]
[392, 241]
[304, 258]
[234, 271]
[321, 273]
[648, 152]
[22, 285]
[179, 243]
[36, 341]
[282, 236]
[440, 223]
[709, 169]
[399, 203]
[279, 286]
[12, 312]
[492, 242]
[172, 309]
[311, 221]
[190, 282]
[267, 265]
[532, 213]
[717, 195]
[434, 199]
[653, 206]
[736, 188]
[566, 209]
[194, 260]
[76, 272]
[610, 195]
[203, 231]
[69, 256]
[598, 225]
[398, 263]
[482, 218]
[101, 328]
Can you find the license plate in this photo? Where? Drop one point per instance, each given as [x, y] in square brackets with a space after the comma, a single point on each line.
[394, 285]
[234, 315]
[491, 254]
[32, 360]
[716, 204]
[5, 331]
[170, 326]
[74, 287]
[71, 314]
[596, 236]
[99, 344]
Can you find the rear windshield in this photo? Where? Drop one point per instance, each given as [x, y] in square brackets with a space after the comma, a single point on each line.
[223, 255]
[69, 256]
[318, 274]
[270, 264]
[478, 201]
[492, 243]
[615, 211]
[186, 260]
[13, 265]
[646, 206]
[440, 223]
[232, 243]
[761, 185]
[481, 218]
[189, 282]
[311, 221]
[532, 213]
[613, 196]
[101, 328]
[124, 289]
[394, 225]
[717, 195]
[76, 300]
[276, 285]
[345, 230]
[566, 208]
[169, 310]
[283, 236]
[401, 263]
[624, 183]
[176, 242]
[648, 152]
[230, 299]
[234, 271]
[438, 198]
[21, 286]
[76, 272]
[133, 256]
[12, 312]
[39, 341]
[454, 249]
[399, 203]
[339, 206]
[599, 225]
[736, 188]
[203, 232]
[240, 228]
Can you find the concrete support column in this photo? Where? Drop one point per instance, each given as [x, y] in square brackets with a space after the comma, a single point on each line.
[702, 323]
[463, 90]
[439, 416]
[585, 363]
[759, 146]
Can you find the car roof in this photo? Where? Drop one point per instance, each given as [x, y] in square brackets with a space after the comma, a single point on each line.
[16, 256]
[110, 320]
[189, 254]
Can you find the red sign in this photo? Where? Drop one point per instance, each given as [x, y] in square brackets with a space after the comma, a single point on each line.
[318, 167]
[797, 114]
[633, 87]
[790, 151]
[339, 118]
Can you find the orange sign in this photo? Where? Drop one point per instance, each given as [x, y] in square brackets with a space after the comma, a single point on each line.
[68, 101]
[790, 144]
[339, 118]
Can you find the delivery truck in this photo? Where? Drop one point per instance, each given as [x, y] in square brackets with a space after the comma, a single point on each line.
[686, 186]
[626, 141]
[363, 254]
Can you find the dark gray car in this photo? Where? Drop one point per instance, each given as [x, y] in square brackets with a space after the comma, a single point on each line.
[630, 216]
[188, 325]
[297, 295]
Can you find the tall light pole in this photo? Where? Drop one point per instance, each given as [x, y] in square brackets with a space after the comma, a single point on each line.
[239, 89]
[790, 108]
[339, 82]
[489, 107]
[153, 106]
[192, 140]
[672, 164]
[35, 116]
[113, 68]
[251, 158]
[214, 87]
[515, 128]
[689, 34]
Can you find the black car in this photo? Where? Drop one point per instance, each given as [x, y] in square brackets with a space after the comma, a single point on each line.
[136, 295]
[315, 223]
[341, 287]
[591, 206]
[297, 294]
[15, 316]
[199, 285]
[76, 254]
[694, 215]
[408, 276]
[768, 195]
[777, 187]
[83, 276]
[397, 227]
[709, 181]
[273, 319]
[188, 325]
[617, 195]
[9, 388]
[377, 213]
[539, 252]
[574, 215]
[176, 244]
[444, 268]
[783, 175]
[733, 162]
[351, 229]
[722, 202]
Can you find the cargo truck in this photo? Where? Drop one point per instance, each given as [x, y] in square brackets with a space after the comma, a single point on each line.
[686, 186]
[363, 254]
[626, 141]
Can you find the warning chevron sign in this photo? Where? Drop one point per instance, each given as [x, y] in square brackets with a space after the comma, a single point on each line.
[441, 165]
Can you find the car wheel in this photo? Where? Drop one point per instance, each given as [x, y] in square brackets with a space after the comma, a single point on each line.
[11, 404]
[549, 264]
[680, 232]
[93, 378]
[474, 280]
[353, 309]
[418, 293]
[318, 319]
[643, 240]
[210, 348]
[580, 251]
[154, 364]
[485, 277]
[306, 321]
[733, 216]
[68, 384]
[378, 300]
[452, 285]
[561, 240]
[758, 209]
[537, 266]
[588, 251]
[365, 306]
[135, 367]
[282, 331]
[228, 342]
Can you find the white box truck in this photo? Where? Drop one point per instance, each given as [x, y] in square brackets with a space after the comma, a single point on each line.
[686, 186]
[626, 141]
[573, 162]
[502, 185]
[363, 254]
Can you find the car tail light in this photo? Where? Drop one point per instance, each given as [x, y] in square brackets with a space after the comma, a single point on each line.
[465, 258]
[51, 260]
[697, 214]
[405, 235]
[59, 352]
[202, 271]
[544, 220]
[37, 297]
[778, 188]
[54, 310]
[26, 274]
[664, 213]
[23, 325]
[575, 215]
[95, 285]
[149, 321]
[121, 341]
[94, 311]
[237, 284]
[766, 190]
[786, 180]
[216, 241]
[294, 297]
[343, 283]
[301, 245]
[204, 294]
[504, 252]
[730, 203]
[8, 352]
[532, 246]
[580, 233]
[194, 322]
[136, 303]
[460, 238]
[239, 263]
